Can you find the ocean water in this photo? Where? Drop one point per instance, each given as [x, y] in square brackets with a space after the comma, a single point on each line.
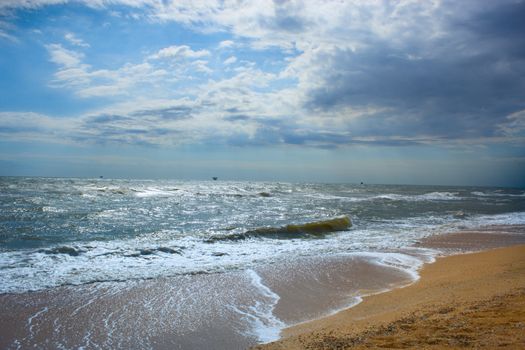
[110, 235]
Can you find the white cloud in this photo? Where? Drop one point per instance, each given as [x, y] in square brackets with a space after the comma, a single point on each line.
[230, 60]
[179, 52]
[74, 40]
[5, 28]
[121, 81]
[7, 36]
[34, 127]
[226, 44]
[34, 4]
[287, 24]
[28, 4]
[130, 79]
[514, 124]
[201, 66]
[64, 57]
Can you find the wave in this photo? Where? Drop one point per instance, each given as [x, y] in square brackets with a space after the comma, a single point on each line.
[111, 190]
[63, 250]
[72, 251]
[155, 192]
[431, 196]
[266, 326]
[496, 194]
[152, 251]
[315, 228]
[170, 191]
[51, 209]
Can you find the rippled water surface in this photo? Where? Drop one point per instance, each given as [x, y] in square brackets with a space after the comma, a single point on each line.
[74, 231]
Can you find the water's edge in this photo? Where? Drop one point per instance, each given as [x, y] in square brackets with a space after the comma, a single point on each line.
[439, 246]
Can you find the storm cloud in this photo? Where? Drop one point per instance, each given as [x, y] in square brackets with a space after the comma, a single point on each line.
[467, 85]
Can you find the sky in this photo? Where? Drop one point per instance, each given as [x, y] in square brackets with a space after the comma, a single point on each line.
[394, 92]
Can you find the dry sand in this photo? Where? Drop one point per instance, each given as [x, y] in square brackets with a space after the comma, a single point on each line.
[472, 300]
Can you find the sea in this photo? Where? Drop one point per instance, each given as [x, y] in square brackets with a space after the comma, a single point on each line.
[115, 263]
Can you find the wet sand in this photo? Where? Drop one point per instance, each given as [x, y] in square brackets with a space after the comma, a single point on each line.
[476, 240]
[474, 300]
[172, 313]
[317, 287]
[236, 310]
[232, 310]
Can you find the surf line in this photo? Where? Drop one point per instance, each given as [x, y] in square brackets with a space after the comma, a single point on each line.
[265, 325]
[30, 324]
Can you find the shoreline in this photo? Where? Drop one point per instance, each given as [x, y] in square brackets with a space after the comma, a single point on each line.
[235, 310]
[496, 277]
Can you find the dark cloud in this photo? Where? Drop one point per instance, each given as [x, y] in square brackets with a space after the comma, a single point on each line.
[143, 127]
[132, 128]
[164, 132]
[505, 21]
[106, 118]
[237, 117]
[286, 18]
[171, 113]
[290, 134]
[4, 129]
[320, 139]
[463, 84]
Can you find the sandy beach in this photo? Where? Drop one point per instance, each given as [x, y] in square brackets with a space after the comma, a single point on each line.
[474, 300]
[233, 175]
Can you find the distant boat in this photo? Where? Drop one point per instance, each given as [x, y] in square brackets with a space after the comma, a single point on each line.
[215, 178]
[101, 176]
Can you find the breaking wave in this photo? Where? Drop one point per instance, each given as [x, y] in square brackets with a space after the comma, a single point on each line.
[316, 228]
[431, 196]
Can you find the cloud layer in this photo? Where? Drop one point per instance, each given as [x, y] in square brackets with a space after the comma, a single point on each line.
[310, 73]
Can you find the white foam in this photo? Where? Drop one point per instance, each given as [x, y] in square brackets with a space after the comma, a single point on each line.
[402, 262]
[265, 325]
[31, 325]
[51, 209]
[120, 260]
[481, 194]
[154, 192]
[431, 196]
[496, 194]
[517, 218]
